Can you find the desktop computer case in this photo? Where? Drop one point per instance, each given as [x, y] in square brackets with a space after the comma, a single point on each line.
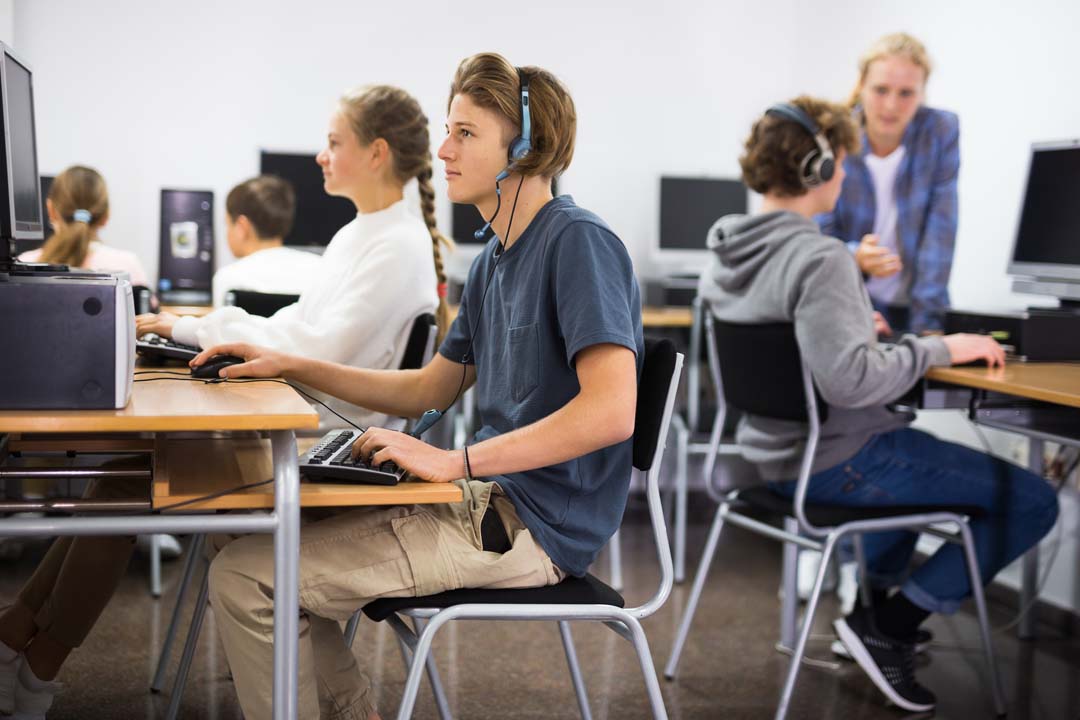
[69, 342]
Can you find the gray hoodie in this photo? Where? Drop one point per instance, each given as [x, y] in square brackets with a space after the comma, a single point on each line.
[778, 267]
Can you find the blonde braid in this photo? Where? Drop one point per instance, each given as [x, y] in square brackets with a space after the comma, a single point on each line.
[427, 207]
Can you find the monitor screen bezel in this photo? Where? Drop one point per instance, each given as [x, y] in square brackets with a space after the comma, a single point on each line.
[1040, 271]
[32, 234]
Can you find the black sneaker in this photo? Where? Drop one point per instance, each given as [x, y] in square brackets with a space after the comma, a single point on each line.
[889, 663]
[923, 638]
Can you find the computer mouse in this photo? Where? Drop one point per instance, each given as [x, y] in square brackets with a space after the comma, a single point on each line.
[209, 369]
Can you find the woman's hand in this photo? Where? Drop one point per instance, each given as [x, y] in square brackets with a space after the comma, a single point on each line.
[258, 362]
[881, 325]
[160, 324]
[378, 445]
[876, 261]
[967, 347]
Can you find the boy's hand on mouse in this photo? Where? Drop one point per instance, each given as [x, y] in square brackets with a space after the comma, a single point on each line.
[159, 324]
[426, 462]
[258, 362]
[967, 347]
[876, 261]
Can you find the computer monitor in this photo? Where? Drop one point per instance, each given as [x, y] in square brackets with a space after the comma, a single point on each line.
[1046, 250]
[318, 215]
[465, 220]
[688, 208]
[186, 257]
[20, 193]
[46, 188]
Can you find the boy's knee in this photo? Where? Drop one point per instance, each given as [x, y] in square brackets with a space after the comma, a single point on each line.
[227, 580]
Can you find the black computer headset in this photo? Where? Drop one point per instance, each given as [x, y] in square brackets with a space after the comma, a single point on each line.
[819, 165]
[519, 147]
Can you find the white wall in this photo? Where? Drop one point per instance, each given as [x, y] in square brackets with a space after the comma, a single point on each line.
[185, 94]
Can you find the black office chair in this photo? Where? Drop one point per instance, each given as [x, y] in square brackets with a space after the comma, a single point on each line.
[259, 303]
[763, 374]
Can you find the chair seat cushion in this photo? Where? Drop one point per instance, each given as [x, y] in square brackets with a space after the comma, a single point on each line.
[572, 591]
[833, 515]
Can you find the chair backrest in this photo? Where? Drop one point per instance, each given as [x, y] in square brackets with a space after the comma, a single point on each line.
[761, 369]
[659, 383]
[259, 303]
[421, 343]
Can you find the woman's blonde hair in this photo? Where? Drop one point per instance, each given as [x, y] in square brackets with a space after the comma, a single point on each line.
[76, 189]
[390, 113]
[895, 44]
[491, 82]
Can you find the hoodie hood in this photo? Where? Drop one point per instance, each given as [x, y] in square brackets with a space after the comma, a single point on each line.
[743, 244]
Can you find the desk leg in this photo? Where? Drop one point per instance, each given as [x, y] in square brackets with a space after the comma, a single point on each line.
[286, 573]
[693, 371]
[1029, 584]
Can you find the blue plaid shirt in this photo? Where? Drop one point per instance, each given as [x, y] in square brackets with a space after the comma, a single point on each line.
[926, 210]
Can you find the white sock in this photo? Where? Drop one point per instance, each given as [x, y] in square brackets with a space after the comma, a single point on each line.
[32, 682]
[7, 655]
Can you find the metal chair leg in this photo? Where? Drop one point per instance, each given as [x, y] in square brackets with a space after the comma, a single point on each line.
[695, 591]
[807, 623]
[864, 581]
[648, 671]
[615, 548]
[441, 702]
[189, 647]
[155, 566]
[193, 557]
[681, 490]
[351, 627]
[984, 622]
[789, 592]
[575, 670]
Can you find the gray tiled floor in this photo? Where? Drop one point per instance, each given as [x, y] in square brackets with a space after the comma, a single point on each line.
[517, 671]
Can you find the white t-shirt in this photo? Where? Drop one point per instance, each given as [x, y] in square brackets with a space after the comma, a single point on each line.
[376, 276]
[104, 258]
[892, 290]
[272, 270]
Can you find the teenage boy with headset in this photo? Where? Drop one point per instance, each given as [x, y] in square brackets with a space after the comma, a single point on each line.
[776, 266]
[550, 333]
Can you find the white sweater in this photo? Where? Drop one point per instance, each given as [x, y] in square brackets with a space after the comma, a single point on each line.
[273, 270]
[376, 276]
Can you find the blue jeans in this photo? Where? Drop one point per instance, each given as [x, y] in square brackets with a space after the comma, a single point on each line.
[911, 467]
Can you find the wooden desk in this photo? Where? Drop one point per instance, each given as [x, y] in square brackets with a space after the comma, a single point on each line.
[227, 462]
[651, 317]
[189, 406]
[1055, 383]
[196, 310]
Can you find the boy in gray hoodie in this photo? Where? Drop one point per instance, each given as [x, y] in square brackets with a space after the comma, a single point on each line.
[776, 266]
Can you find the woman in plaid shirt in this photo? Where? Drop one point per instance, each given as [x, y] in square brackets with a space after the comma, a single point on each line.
[898, 207]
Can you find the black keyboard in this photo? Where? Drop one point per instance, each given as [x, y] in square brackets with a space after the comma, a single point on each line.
[157, 347]
[330, 460]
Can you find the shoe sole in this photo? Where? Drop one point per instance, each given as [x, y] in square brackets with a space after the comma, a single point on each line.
[861, 655]
[841, 652]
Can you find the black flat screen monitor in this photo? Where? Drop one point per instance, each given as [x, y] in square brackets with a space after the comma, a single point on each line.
[465, 220]
[690, 206]
[186, 259]
[318, 215]
[46, 188]
[20, 192]
[1047, 245]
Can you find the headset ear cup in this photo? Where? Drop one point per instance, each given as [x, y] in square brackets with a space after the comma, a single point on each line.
[519, 148]
[826, 169]
[809, 169]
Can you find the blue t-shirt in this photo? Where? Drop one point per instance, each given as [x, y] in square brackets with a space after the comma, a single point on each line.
[567, 283]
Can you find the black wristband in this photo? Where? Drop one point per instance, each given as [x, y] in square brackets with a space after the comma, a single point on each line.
[468, 468]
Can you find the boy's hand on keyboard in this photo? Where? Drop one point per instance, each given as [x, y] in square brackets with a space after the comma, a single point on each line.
[379, 445]
[159, 324]
[259, 362]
